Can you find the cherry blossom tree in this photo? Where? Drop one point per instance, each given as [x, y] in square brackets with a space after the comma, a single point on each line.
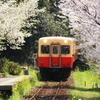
[85, 21]
[12, 19]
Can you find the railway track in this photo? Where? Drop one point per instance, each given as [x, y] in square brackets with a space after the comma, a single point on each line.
[55, 89]
[50, 91]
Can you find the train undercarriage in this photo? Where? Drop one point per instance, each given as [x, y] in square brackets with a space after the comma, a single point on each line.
[55, 73]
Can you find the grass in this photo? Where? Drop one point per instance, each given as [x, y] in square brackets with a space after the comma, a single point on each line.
[87, 86]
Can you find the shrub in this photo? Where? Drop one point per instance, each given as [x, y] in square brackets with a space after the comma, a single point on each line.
[10, 67]
[0, 65]
[14, 68]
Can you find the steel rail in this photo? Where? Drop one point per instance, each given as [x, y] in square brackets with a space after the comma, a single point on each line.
[57, 91]
[36, 93]
[55, 95]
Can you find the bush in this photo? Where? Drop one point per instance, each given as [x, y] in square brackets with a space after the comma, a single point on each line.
[14, 68]
[0, 65]
[10, 67]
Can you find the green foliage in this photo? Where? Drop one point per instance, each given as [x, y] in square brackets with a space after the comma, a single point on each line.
[0, 65]
[10, 67]
[47, 24]
[19, 1]
[85, 88]
[14, 68]
[49, 4]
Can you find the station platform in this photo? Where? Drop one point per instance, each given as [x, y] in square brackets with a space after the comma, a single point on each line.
[8, 83]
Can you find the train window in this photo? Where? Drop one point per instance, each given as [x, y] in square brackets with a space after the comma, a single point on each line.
[45, 49]
[65, 49]
[55, 49]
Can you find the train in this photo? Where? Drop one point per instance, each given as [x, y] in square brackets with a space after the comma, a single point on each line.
[56, 56]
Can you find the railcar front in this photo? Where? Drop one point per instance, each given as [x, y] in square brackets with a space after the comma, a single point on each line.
[56, 56]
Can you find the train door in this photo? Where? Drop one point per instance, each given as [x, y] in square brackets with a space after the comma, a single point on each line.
[55, 56]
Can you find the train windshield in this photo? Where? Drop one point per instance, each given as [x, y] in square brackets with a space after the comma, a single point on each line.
[55, 50]
[65, 49]
[45, 49]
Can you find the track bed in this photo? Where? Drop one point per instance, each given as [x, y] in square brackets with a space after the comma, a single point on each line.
[51, 91]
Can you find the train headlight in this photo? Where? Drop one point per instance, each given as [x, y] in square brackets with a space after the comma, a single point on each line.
[65, 41]
[45, 41]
